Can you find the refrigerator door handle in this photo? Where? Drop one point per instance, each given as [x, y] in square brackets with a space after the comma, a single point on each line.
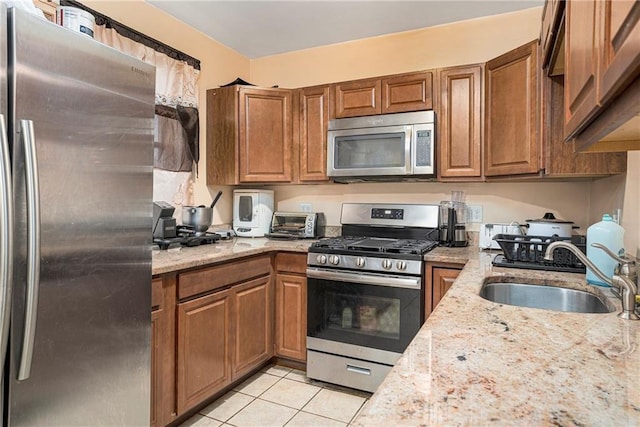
[6, 238]
[33, 248]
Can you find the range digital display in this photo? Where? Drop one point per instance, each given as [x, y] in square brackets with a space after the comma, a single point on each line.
[378, 213]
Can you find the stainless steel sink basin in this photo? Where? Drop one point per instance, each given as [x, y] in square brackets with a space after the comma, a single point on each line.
[545, 297]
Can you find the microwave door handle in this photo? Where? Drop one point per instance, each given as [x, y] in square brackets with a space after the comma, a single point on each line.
[409, 152]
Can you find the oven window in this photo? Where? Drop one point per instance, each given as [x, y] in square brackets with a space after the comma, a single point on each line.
[381, 317]
[364, 315]
[370, 151]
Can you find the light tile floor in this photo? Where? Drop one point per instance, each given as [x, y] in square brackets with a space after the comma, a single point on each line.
[279, 396]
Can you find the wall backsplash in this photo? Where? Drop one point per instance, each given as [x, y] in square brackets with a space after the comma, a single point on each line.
[501, 202]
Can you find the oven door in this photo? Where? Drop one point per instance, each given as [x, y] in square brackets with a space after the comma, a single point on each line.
[367, 310]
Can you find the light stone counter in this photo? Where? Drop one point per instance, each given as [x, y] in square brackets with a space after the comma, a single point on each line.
[475, 362]
[182, 258]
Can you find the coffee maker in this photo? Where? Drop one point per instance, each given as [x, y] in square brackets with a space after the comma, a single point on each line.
[453, 223]
[164, 224]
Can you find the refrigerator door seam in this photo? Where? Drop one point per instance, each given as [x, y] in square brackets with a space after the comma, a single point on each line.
[33, 248]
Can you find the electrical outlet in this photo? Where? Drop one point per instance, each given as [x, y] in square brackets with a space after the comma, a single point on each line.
[474, 213]
[305, 207]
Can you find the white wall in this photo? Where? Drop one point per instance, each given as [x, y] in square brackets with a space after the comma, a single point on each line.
[501, 202]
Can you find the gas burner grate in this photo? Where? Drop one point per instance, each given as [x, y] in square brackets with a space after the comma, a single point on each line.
[377, 245]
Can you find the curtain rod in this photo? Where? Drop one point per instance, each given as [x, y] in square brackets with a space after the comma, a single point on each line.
[134, 35]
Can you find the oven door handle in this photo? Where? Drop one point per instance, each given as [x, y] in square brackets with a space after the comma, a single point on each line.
[365, 279]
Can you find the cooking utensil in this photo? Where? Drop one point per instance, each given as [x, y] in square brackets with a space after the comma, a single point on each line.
[549, 225]
[215, 199]
[198, 217]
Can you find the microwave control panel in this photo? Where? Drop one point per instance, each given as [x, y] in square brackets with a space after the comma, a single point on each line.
[423, 148]
[381, 213]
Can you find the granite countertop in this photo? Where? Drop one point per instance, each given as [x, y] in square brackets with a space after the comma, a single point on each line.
[182, 258]
[475, 362]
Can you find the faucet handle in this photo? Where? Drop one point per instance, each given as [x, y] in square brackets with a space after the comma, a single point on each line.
[626, 265]
[621, 259]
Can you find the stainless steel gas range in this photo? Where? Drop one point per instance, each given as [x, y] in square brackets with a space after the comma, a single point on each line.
[365, 297]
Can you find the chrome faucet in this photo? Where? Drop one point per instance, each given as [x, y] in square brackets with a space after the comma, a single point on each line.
[624, 280]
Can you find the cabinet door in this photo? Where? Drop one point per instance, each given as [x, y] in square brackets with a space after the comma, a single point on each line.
[439, 277]
[443, 278]
[511, 97]
[163, 304]
[252, 324]
[409, 92]
[621, 47]
[581, 64]
[314, 119]
[561, 158]
[265, 135]
[357, 98]
[459, 122]
[204, 363]
[291, 316]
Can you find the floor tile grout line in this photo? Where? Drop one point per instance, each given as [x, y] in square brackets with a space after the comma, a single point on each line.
[357, 412]
[298, 409]
[235, 413]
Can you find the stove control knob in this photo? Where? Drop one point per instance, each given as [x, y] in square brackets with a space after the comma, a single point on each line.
[334, 259]
[401, 265]
[387, 264]
[321, 259]
[360, 262]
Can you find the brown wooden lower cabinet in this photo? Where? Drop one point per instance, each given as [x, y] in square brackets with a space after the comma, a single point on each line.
[252, 325]
[163, 299]
[440, 277]
[291, 306]
[204, 353]
[224, 327]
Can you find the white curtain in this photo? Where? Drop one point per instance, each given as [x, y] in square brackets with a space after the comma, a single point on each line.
[176, 85]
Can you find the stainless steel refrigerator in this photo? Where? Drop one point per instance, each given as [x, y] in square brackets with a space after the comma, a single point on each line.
[75, 227]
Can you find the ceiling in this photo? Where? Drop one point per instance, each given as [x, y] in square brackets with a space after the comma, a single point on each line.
[262, 28]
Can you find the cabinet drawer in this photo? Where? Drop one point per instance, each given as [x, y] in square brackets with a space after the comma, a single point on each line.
[410, 92]
[291, 262]
[208, 279]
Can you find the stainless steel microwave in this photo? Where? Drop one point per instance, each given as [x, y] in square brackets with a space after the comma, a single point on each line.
[401, 144]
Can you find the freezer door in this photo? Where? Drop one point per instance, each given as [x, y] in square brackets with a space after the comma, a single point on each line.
[86, 111]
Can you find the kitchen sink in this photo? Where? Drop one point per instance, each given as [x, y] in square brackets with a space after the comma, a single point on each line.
[544, 297]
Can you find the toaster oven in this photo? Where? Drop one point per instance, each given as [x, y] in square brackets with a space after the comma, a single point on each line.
[297, 225]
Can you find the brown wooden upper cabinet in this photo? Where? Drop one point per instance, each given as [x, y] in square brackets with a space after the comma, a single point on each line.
[391, 94]
[460, 122]
[552, 37]
[602, 59]
[249, 135]
[313, 119]
[511, 106]
[621, 45]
